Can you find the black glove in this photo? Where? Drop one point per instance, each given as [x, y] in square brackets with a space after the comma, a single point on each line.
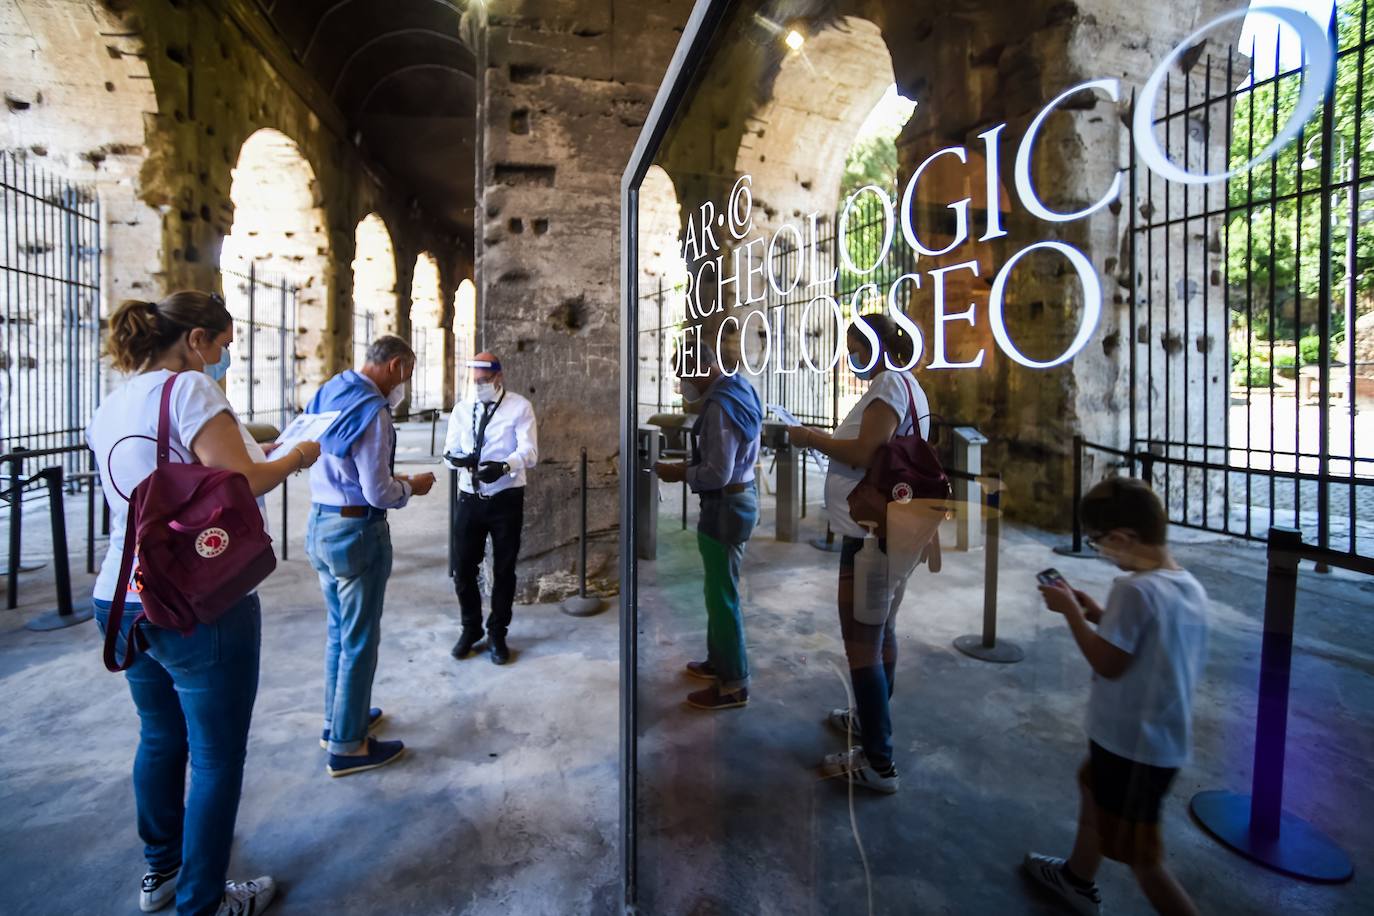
[492, 471]
[461, 462]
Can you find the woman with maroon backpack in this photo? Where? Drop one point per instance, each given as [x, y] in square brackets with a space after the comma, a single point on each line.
[194, 690]
[893, 405]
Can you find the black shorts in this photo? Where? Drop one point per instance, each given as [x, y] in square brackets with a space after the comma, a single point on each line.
[1127, 796]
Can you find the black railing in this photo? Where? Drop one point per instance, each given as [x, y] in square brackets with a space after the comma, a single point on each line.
[50, 246]
[1245, 364]
[262, 382]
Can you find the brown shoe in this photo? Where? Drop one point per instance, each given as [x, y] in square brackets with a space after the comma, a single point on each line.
[714, 698]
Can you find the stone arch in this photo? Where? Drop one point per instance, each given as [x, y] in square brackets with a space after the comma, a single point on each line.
[79, 97]
[279, 226]
[796, 140]
[426, 333]
[662, 288]
[376, 308]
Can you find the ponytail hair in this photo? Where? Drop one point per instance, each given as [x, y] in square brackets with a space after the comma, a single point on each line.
[141, 331]
[892, 339]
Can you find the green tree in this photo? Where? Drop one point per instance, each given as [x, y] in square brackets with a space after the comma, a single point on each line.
[1274, 225]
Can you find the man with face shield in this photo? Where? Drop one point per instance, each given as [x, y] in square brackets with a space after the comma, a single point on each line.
[725, 448]
[349, 543]
[492, 441]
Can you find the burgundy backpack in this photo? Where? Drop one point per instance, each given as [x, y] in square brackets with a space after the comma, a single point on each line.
[903, 469]
[200, 542]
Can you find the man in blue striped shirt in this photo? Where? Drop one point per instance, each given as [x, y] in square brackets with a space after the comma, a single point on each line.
[349, 542]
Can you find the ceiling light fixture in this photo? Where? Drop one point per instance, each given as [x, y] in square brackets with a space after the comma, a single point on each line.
[794, 40]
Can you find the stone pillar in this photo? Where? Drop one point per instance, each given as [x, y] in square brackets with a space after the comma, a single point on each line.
[567, 88]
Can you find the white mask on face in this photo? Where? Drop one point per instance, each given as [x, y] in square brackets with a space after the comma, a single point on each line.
[691, 393]
[397, 395]
[487, 392]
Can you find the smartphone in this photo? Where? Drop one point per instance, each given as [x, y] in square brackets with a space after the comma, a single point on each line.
[1051, 576]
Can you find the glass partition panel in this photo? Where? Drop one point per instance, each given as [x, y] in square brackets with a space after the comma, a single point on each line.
[977, 353]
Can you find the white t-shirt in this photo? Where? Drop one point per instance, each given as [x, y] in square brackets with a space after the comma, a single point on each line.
[123, 436]
[891, 388]
[1146, 714]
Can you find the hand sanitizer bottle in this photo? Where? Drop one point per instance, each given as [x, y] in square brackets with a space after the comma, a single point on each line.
[872, 593]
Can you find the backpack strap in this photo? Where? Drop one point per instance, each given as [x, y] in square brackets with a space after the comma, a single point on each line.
[164, 421]
[112, 625]
[911, 406]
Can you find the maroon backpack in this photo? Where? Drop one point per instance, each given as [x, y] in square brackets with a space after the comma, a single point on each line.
[902, 470]
[200, 542]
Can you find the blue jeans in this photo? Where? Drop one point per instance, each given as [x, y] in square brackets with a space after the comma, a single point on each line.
[194, 696]
[872, 655]
[353, 559]
[727, 520]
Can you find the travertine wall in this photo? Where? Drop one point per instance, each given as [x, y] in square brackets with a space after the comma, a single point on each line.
[152, 100]
[567, 87]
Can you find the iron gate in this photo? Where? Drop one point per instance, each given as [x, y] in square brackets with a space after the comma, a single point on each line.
[50, 248]
[1248, 360]
[262, 386]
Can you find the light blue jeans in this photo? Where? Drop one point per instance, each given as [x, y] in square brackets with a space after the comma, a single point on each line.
[353, 559]
[194, 695]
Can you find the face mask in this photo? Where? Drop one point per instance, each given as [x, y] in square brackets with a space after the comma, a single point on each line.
[397, 395]
[219, 370]
[854, 364]
[690, 392]
[486, 392]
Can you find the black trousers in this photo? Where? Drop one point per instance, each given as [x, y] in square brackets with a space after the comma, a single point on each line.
[501, 517]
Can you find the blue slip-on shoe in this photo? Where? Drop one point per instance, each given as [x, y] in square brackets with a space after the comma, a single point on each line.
[379, 754]
[374, 715]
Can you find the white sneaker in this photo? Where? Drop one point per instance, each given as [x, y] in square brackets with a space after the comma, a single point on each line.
[853, 765]
[158, 890]
[844, 721]
[1049, 872]
[247, 898]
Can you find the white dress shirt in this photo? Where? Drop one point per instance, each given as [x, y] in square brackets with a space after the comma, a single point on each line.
[511, 437]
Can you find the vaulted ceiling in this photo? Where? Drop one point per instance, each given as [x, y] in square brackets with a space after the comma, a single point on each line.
[402, 77]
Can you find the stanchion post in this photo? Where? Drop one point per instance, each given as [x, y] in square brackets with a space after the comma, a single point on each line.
[65, 615]
[15, 485]
[90, 519]
[582, 605]
[1076, 548]
[452, 523]
[285, 515]
[984, 646]
[1257, 827]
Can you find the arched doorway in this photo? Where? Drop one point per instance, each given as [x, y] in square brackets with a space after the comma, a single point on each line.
[374, 284]
[426, 335]
[278, 245]
[464, 329]
[662, 291]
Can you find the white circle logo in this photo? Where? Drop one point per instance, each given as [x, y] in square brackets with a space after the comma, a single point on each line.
[902, 492]
[212, 542]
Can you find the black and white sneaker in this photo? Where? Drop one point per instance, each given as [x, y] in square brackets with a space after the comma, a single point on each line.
[159, 889]
[247, 898]
[853, 765]
[1049, 872]
[844, 721]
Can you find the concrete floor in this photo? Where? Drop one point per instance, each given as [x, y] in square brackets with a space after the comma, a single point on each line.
[508, 800]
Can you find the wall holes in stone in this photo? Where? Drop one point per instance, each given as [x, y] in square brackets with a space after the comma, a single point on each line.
[570, 315]
[520, 121]
[516, 225]
[518, 175]
[541, 226]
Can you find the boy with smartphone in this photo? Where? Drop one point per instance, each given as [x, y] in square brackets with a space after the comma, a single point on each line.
[1146, 651]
